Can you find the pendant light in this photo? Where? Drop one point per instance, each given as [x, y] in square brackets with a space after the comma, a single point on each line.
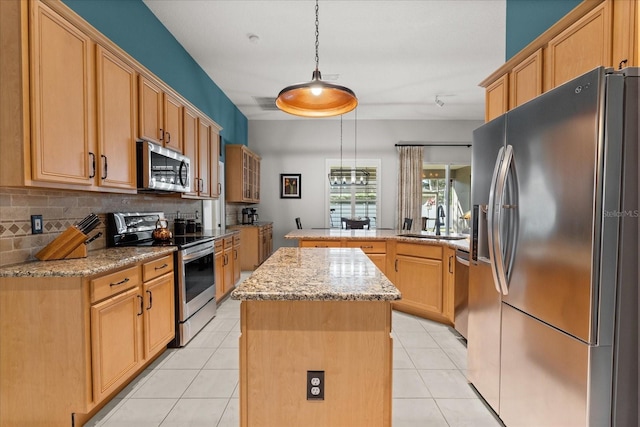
[316, 98]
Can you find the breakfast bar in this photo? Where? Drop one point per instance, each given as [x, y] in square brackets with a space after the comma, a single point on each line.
[315, 344]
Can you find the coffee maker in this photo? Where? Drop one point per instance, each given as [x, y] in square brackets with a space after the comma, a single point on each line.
[249, 216]
[245, 216]
[253, 216]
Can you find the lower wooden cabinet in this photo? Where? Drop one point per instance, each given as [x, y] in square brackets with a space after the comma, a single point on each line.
[159, 314]
[420, 271]
[325, 243]
[116, 343]
[376, 250]
[449, 284]
[420, 281]
[219, 268]
[424, 273]
[68, 344]
[227, 265]
[236, 258]
[257, 244]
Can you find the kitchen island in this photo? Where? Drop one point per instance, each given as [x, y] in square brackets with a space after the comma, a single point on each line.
[311, 310]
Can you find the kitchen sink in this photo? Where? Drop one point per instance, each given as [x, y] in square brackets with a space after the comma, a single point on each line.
[433, 236]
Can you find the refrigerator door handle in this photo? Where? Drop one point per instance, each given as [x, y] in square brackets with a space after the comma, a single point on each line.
[491, 213]
[496, 218]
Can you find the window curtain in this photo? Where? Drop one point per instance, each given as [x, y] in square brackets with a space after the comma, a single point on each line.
[409, 186]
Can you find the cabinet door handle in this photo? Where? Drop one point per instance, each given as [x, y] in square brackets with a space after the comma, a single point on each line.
[141, 304]
[235, 254]
[93, 165]
[450, 266]
[219, 188]
[168, 137]
[122, 282]
[150, 300]
[395, 266]
[165, 265]
[161, 134]
[105, 165]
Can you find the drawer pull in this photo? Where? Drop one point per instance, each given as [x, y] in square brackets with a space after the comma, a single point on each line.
[165, 265]
[122, 282]
[366, 247]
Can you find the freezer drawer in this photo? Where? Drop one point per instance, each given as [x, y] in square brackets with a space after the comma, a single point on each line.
[545, 376]
[483, 340]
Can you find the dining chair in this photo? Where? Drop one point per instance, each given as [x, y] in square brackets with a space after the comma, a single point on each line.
[408, 222]
[298, 223]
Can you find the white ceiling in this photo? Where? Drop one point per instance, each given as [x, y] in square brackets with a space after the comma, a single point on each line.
[396, 55]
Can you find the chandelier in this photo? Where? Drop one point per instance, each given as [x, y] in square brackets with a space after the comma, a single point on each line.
[349, 176]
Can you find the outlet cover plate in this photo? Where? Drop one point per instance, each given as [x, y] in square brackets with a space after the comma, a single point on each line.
[315, 385]
[36, 224]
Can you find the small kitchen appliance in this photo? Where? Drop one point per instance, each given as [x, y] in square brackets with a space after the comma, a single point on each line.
[160, 169]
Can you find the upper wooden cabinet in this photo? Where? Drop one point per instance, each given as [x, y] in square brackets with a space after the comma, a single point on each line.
[160, 116]
[62, 77]
[583, 46]
[595, 33]
[73, 104]
[201, 140]
[242, 173]
[497, 98]
[208, 159]
[525, 81]
[117, 109]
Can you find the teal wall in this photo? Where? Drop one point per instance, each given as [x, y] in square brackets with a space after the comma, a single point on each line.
[527, 19]
[132, 26]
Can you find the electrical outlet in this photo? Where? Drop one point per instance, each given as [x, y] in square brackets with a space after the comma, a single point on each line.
[315, 385]
[36, 224]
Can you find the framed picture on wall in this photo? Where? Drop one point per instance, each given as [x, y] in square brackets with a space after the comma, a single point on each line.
[290, 186]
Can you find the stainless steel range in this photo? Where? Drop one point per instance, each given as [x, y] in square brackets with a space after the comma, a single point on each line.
[194, 273]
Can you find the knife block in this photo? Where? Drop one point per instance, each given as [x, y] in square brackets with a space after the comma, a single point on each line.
[70, 244]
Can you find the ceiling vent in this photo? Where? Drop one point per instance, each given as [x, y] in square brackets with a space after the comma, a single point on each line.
[266, 103]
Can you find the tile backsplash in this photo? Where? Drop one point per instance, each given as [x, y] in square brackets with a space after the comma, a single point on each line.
[61, 209]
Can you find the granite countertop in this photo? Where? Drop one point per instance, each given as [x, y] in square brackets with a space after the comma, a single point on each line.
[98, 261]
[317, 274]
[375, 234]
[255, 224]
[221, 234]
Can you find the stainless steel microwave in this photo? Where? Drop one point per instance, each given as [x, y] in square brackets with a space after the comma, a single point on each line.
[161, 169]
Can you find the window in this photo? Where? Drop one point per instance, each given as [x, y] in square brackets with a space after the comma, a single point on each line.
[447, 187]
[353, 193]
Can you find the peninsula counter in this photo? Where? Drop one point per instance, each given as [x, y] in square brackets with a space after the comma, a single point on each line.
[316, 309]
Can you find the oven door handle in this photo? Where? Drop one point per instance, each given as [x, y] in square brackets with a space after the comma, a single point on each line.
[198, 254]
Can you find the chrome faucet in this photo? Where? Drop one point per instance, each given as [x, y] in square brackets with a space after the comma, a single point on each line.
[439, 214]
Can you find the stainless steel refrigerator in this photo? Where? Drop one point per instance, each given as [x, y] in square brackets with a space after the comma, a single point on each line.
[553, 286]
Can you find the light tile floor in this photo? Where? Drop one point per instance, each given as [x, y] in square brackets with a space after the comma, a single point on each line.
[197, 386]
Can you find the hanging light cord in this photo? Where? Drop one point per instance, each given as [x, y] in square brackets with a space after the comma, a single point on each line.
[317, 36]
[355, 145]
[341, 176]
